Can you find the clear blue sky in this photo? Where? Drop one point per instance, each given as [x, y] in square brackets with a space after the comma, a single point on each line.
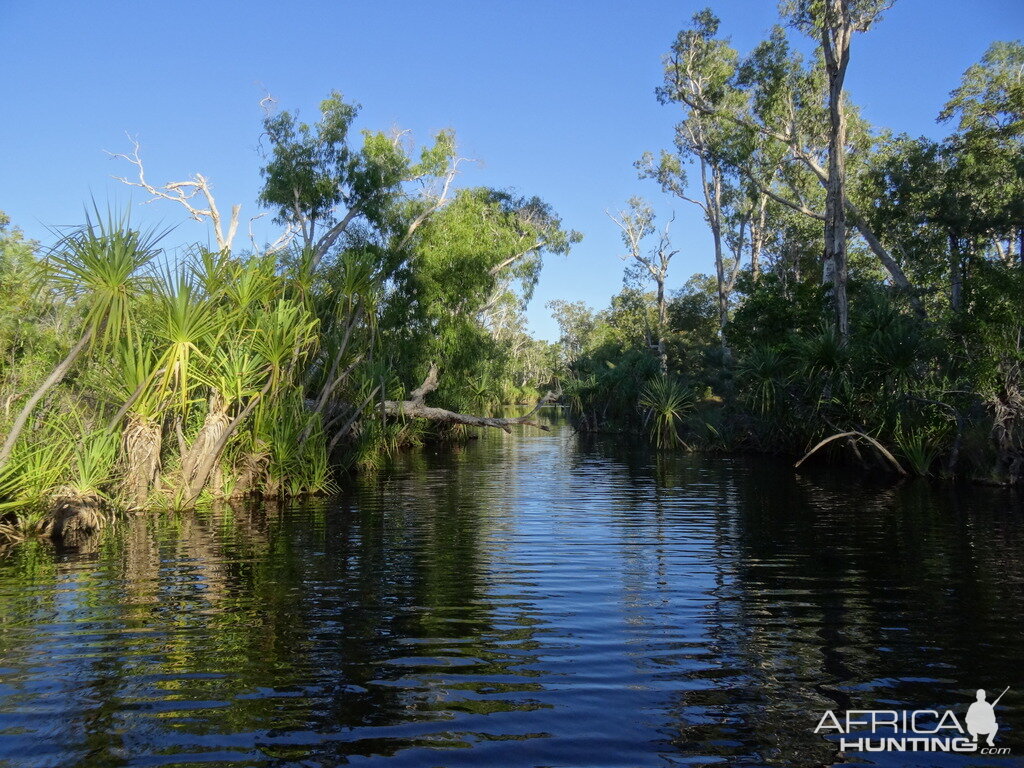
[554, 98]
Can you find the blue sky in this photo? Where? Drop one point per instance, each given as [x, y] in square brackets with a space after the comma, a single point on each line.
[553, 98]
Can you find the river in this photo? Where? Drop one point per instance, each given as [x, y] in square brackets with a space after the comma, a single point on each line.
[535, 599]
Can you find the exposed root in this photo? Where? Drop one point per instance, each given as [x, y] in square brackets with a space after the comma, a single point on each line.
[76, 516]
[1008, 417]
[24, 527]
[251, 470]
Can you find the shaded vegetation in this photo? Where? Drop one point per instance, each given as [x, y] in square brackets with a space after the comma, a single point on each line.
[927, 359]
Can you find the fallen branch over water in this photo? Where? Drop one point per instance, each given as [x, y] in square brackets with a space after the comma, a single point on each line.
[881, 449]
[416, 407]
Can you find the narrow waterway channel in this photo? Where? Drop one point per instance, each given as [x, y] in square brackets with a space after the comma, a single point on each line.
[525, 600]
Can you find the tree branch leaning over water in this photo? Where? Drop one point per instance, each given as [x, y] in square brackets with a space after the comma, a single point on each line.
[416, 407]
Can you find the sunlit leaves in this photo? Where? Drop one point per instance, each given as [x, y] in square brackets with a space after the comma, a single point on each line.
[101, 265]
[186, 323]
[991, 94]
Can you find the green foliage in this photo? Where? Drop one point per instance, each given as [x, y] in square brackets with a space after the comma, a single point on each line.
[297, 465]
[223, 373]
[765, 373]
[459, 296]
[919, 448]
[991, 95]
[667, 402]
[932, 362]
[318, 182]
[94, 458]
[24, 307]
[774, 308]
[29, 479]
[101, 266]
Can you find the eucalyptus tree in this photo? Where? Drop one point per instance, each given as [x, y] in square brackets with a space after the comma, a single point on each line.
[833, 23]
[936, 202]
[988, 107]
[960, 199]
[473, 262]
[319, 184]
[785, 104]
[703, 67]
[738, 167]
[576, 323]
[990, 97]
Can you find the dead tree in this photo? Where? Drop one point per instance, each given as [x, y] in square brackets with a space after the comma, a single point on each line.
[417, 408]
[186, 193]
[636, 224]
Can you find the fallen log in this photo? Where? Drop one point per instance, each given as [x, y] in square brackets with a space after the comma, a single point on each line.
[416, 408]
[881, 449]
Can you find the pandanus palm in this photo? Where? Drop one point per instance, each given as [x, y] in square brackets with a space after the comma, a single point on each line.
[27, 481]
[285, 334]
[187, 323]
[233, 375]
[255, 359]
[100, 265]
[142, 437]
[253, 285]
[347, 310]
[667, 402]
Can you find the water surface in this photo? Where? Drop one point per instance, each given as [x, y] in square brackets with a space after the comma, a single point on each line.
[527, 600]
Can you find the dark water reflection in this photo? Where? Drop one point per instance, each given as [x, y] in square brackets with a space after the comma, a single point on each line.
[525, 601]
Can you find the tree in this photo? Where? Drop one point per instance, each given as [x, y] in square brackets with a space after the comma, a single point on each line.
[184, 192]
[832, 23]
[637, 224]
[319, 184]
[990, 97]
[22, 305]
[961, 198]
[461, 280]
[783, 103]
[101, 265]
[703, 67]
[576, 326]
[989, 109]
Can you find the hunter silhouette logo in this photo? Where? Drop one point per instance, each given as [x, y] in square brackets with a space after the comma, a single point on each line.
[981, 717]
[919, 730]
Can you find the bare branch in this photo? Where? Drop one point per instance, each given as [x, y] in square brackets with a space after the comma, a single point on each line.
[860, 435]
[182, 193]
[500, 266]
[283, 240]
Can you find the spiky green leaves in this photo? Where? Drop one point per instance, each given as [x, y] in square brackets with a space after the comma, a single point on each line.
[102, 266]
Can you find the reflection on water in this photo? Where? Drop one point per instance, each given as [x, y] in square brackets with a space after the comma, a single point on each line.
[528, 600]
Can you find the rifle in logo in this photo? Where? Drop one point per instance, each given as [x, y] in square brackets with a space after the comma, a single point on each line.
[981, 717]
[919, 730]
